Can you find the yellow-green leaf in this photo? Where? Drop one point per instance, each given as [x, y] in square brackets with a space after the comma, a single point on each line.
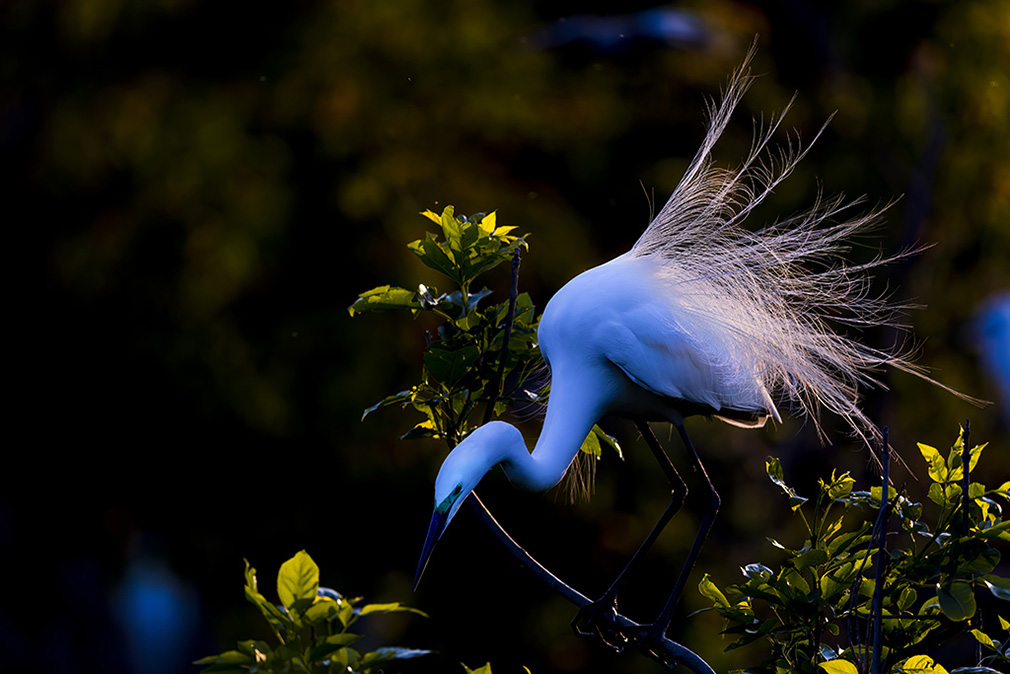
[957, 601]
[708, 589]
[431, 215]
[838, 666]
[488, 224]
[983, 638]
[298, 580]
[920, 664]
[937, 466]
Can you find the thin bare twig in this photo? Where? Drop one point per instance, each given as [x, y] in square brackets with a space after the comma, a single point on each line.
[496, 390]
[878, 586]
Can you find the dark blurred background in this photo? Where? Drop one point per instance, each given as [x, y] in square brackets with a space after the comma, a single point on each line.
[197, 191]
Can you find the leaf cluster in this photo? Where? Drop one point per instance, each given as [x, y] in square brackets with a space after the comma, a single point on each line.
[467, 363]
[813, 611]
[311, 628]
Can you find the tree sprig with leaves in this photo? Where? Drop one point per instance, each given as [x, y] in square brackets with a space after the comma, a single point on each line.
[463, 367]
[311, 627]
[826, 587]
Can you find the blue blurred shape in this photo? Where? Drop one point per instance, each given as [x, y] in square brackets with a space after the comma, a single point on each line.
[668, 26]
[158, 613]
[992, 336]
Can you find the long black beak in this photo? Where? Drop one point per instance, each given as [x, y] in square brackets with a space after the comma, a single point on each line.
[435, 530]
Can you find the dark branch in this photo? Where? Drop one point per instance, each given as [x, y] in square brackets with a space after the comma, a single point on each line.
[496, 390]
[878, 587]
[673, 650]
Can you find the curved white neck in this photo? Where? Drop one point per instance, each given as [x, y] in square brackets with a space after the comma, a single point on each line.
[571, 414]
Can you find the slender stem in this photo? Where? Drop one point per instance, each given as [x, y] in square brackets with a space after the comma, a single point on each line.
[966, 502]
[965, 476]
[499, 383]
[878, 589]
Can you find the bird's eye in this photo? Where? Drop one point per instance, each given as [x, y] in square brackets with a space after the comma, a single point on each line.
[457, 490]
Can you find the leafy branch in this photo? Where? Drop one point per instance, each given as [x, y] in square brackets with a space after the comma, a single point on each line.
[483, 355]
[827, 587]
[311, 627]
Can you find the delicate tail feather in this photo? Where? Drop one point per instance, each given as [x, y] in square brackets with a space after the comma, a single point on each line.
[776, 292]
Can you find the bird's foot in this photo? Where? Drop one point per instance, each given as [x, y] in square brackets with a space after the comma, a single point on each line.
[598, 620]
[653, 642]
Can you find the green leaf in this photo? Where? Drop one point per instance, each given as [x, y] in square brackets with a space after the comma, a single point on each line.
[425, 429]
[937, 466]
[403, 397]
[709, 590]
[838, 667]
[431, 215]
[449, 367]
[451, 229]
[607, 441]
[875, 493]
[384, 298]
[298, 581]
[999, 531]
[488, 223]
[975, 557]
[383, 655]
[920, 664]
[394, 607]
[848, 540]
[954, 461]
[226, 658]
[774, 469]
[998, 586]
[486, 669]
[324, 609]
[984, 639]
[795, 583]
[840, 487]
[327, 645]
[906, 599]
[957, 601]
[277, 619]
[813, 557]
[591, 446]
[595, 442]
[435, 256]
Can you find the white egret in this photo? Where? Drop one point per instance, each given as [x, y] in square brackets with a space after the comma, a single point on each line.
[701, 316]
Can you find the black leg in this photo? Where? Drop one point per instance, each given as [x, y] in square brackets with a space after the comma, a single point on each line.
[599, 616]
[709, 511]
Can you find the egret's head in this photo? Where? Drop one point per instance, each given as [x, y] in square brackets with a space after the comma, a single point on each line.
[460, 473]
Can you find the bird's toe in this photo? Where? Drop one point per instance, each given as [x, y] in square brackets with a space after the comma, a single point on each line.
[598, 620]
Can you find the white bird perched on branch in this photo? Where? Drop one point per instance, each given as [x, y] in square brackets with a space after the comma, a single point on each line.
[701, 316]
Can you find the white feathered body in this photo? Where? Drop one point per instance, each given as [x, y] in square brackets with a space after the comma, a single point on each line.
[704, 316]
[629, 338]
